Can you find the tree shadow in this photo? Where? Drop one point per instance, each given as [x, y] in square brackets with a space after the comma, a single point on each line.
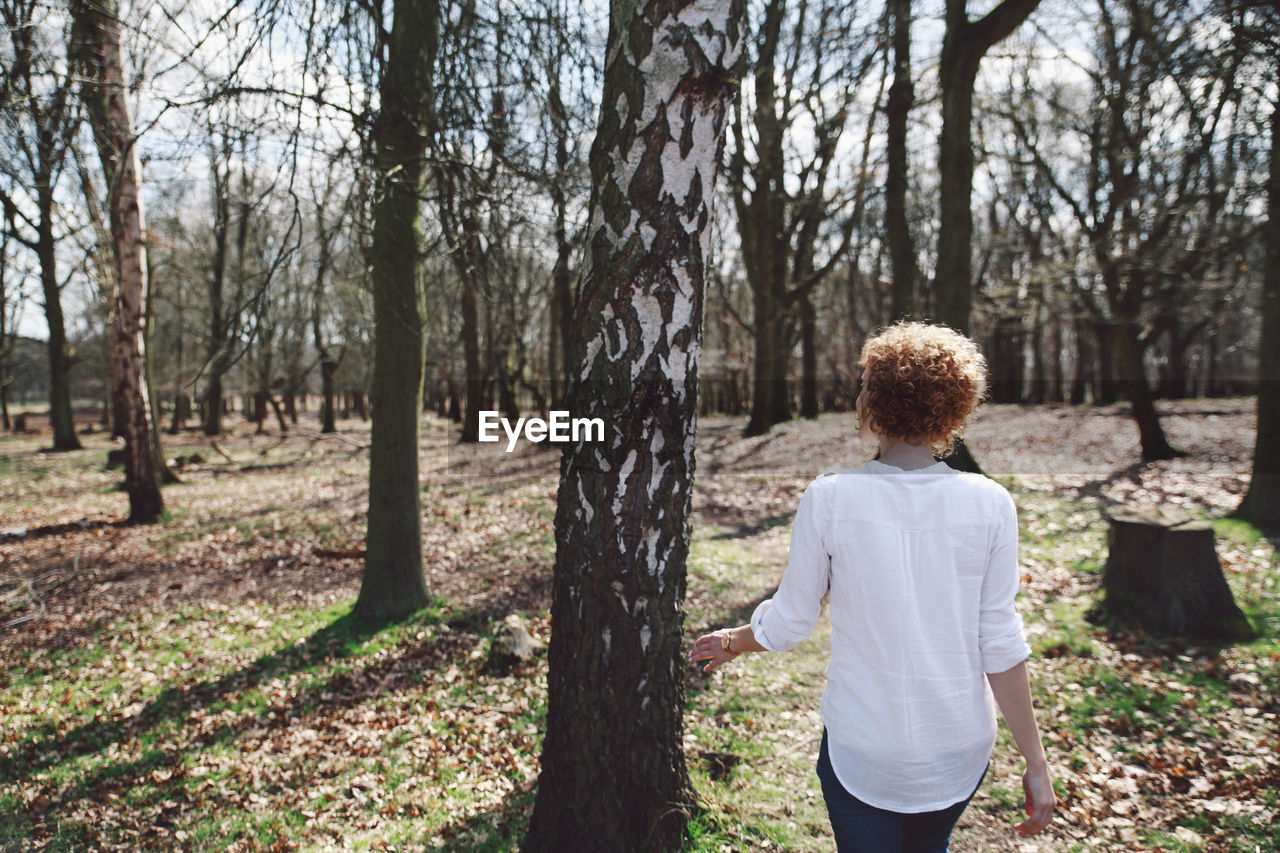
[49, 745]
[47, 530]
[1093, 490]
[738, 529]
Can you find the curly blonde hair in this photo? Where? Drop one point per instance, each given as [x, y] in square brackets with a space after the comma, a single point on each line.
[923, 381]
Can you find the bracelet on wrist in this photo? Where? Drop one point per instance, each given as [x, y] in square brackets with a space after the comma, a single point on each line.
[726, 642]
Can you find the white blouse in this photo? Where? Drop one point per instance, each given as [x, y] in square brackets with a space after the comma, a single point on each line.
[922, 566]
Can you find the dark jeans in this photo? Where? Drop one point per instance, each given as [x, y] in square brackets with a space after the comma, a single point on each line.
[862, 828]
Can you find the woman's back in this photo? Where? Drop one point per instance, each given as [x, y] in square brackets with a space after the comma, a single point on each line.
[916, 558]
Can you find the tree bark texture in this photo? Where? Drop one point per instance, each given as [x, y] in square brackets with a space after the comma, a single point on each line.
[613, 770]
[1163, 575]
[1261, 503]
[393, 584]
[105, 96]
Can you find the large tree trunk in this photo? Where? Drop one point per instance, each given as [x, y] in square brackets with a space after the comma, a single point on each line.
[770, 402]
[218, 360]
[1261, 503]
[105, 95]
[902, 252]
[964, 44]
[613, 769]
[952, 283]
[393, 584]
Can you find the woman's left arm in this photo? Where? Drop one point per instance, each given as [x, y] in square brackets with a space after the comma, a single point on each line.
[1012, 692]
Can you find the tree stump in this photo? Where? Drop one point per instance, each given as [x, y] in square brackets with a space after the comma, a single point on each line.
[1163, 574]
[512, 644]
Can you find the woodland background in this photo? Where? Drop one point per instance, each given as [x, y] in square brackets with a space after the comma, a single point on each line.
[364, 223]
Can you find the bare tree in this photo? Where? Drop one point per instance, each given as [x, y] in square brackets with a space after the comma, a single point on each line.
[99, 54]
[1150, 196]
[393, 583]
[12, 297]
[791, 240]
[964, 44]
[38, 106]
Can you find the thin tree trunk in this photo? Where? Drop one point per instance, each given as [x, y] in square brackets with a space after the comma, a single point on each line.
[1261, 503]
[474, 373]
[219, 323]
[1107, 388]
[166, 474]
[613, 770]
[328, 388]
[1054, 391]
[393, 583]
[1136, 389]
[61, 416]
[1084, 366]
[897, 231]
[560, 345]
[808, 360]
[106, 100]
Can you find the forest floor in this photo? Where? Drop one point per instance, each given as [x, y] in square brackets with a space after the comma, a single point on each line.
[197, 684]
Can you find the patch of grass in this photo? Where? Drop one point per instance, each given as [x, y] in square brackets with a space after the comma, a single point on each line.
[238, 707]
[761, 711]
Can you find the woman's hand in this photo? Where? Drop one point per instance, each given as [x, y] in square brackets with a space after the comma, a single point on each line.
[711, 648]
[1040, 801]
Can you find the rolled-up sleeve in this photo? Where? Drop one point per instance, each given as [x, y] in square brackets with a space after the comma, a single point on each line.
[1000, 637]
[781, 623]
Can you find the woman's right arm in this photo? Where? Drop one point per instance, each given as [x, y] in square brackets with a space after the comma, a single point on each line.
[1012, 692]
[785, 620]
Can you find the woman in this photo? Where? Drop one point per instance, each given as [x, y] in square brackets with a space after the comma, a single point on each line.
[921, 564]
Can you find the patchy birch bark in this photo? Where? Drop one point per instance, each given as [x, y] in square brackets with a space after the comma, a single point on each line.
[613, 769]
[106, 100]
